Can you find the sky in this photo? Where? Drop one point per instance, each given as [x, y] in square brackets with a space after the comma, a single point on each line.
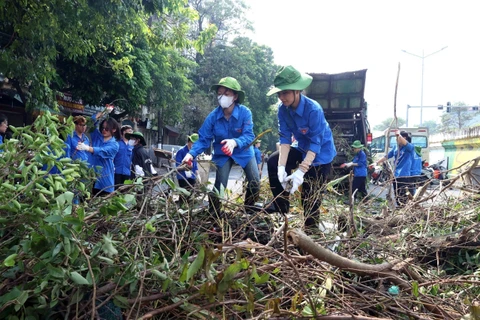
[333, 36]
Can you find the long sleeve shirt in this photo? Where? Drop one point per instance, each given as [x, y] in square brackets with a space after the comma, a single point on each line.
[308, 125]
[123, 159]
[360, 159]
[416, 168]
[141, 158]
[216, 128]
[403, 159]
[72, 142]
[178, 161]
[102, 160]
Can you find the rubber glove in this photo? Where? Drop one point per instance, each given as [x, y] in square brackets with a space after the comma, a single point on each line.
[228, 146]
[282, 175]
[188, 174]
[349, 164]
[82, 146]
[139, 171]
[188, 159]
[109, 108]
[297, 180]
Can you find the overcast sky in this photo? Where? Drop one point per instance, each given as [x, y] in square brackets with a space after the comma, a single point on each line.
[337, 36]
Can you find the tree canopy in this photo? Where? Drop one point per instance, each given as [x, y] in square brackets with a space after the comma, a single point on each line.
[458, 118]
[97, 50]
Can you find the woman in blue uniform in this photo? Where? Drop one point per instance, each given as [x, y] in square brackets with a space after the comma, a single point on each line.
[229, 126]
[104, 148]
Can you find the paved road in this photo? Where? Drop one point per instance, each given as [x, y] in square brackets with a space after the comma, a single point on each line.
[235, 180]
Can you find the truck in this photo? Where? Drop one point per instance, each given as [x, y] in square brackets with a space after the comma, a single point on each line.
[341, 96]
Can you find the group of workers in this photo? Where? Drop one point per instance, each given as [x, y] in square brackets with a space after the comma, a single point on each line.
[116, 153]
[407, 168]
[229, 127]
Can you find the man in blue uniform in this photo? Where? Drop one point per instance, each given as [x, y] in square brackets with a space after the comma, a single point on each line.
[187, 176]
[302, 118]
[359, 164]
[403, 163]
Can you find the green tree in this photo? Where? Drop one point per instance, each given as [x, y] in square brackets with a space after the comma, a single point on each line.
[231, 55]
[99, 50]
[457, 118]
[385, 124]
[432, 126]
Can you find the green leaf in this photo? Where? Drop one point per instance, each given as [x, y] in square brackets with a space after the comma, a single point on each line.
[67, 246]
[21, 299]
[53, 218]
[228, 277]
[197, 264]
[78, 278]
[10, 260]
[262, 279]
[415, 289]
[57, 249]
[183, 275]
[150, 227]
[171, 184]
[55, 272]
[162, 276]
[108, 247]
[120, 301]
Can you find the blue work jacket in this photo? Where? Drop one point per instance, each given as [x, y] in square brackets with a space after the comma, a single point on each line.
[72, 142]
[416, 169]
[178, 159]
[403, 160]
[102, 160]
[308, 125]
[123, 159]
[217, 128]
[361, 159]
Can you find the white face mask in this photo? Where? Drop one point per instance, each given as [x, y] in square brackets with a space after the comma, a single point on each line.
[131, 142]
[225, 101]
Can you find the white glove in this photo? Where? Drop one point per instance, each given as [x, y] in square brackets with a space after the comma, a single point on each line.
[348, 165]
[282, 175]
[82, 146]
[108, 108]
[197, 177]
[228, 146]
[297, 180]
[188, 174]
[188, 159]
[154, 172]
[139, 171]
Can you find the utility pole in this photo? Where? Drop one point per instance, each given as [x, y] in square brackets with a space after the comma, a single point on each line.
[423, 56]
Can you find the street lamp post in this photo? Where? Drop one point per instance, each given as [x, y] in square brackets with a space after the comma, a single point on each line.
[423, 56]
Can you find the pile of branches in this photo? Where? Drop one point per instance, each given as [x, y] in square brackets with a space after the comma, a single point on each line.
[142, 254]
